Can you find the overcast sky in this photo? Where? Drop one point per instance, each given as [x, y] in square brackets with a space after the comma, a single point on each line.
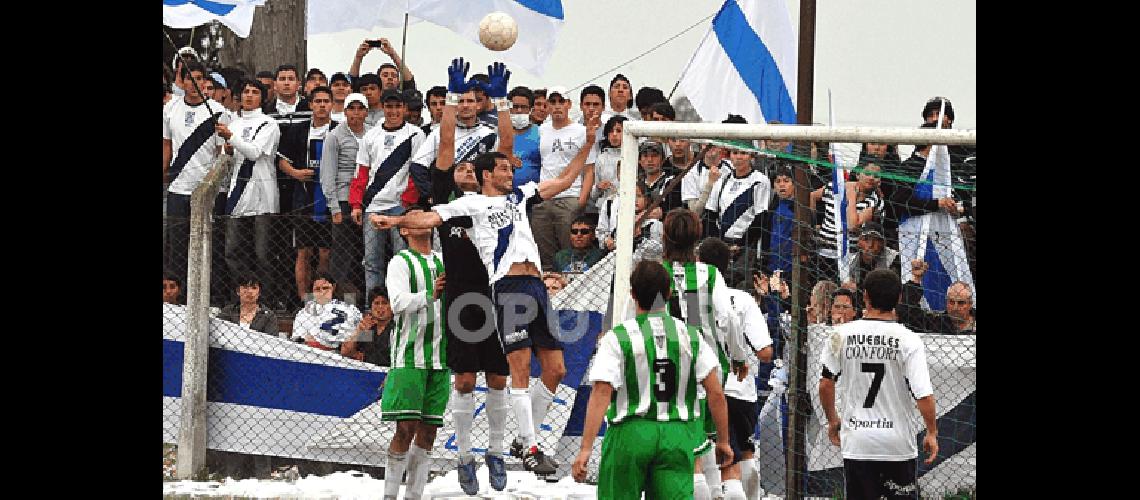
[882, 59]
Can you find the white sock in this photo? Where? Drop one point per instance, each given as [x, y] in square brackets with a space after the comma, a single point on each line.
[463, 411]
[750, 478]
[497, 407]
[520, 402]
[540, 399]
[394, 473]
[712, 473]
[418, 468]
[700, 488]
[733, 490]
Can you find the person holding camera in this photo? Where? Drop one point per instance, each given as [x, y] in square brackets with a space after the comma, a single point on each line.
[389, 72]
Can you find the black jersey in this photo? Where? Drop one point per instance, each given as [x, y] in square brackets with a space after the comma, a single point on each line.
[465, 268]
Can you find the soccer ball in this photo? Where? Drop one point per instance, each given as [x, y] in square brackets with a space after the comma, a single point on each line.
[498, 31]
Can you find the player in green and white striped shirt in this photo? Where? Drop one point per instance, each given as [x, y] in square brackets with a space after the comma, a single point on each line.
[649, 367]
[700, 297]
[418, 384]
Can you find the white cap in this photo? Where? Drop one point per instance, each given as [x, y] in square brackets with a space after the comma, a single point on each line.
[356, 97]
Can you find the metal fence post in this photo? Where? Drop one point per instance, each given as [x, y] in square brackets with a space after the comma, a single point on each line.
[192, 426]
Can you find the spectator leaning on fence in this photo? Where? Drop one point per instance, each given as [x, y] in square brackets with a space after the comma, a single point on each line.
[959, 315]
[879, 369]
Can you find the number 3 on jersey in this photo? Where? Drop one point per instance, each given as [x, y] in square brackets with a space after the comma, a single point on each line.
[666, 387]
[879, 371]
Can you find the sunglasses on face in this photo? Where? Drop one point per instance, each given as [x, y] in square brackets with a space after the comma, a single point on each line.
[580, 231]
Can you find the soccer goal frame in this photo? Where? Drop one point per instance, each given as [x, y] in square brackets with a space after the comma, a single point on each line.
[632, 130]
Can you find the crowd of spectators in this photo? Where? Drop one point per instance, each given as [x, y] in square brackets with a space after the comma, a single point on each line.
[293, 207]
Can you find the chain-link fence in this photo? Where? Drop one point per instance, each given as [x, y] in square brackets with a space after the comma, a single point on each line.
[277, 400]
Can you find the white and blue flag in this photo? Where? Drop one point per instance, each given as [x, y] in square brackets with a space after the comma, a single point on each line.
[539, 21]
[237, 15]
[746, 64]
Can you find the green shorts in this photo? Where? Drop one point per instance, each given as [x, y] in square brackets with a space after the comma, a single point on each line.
[416, 394]
[646, 455]
[704, 430]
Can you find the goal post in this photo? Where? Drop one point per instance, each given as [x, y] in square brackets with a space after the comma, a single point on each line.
[817, 471]
[633, 129]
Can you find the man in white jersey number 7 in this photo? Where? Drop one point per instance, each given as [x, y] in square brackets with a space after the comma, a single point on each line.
[880, 367]
[501, 232]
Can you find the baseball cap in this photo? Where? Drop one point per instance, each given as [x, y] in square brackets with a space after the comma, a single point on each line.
[872, 228]
[339, 77]
[651, 146]
[356, 97]
[557, 89]
[391, 94]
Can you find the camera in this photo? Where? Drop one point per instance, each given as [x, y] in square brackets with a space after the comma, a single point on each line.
[375, 43]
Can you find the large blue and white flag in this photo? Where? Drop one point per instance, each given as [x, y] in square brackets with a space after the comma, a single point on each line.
[237, 15]
[539, 21]
[934, 237]
[331, 16]
[746, 64]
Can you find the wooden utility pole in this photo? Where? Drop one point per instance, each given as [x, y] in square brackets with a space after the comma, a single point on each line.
[798, 402]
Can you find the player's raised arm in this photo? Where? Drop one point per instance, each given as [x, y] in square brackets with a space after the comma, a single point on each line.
[496, 90]
[548, 189]
[456, 85]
